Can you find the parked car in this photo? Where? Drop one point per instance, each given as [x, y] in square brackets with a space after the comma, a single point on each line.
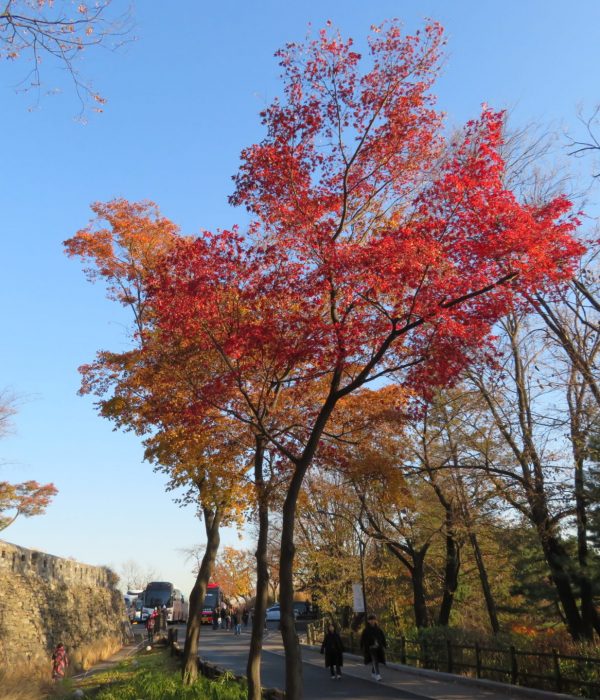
[303, 610]
[274, 613]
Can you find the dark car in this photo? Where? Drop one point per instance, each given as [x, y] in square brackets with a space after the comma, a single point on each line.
[274, 613]
[303, 610]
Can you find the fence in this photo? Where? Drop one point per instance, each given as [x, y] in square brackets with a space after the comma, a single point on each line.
[578, 675]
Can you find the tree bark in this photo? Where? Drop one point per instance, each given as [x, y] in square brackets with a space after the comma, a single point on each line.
[291, 645]
[418, 584]
[579, 438]
[451, 570]
[212, 521]
[557, 559]
[293, 656]
[262, 576]
[490, 603]
[416, 568]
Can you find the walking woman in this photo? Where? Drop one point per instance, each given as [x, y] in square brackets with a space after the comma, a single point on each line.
[373, 644]
[333, 649]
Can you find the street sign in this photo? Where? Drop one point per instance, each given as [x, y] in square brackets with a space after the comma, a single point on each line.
[357, 597]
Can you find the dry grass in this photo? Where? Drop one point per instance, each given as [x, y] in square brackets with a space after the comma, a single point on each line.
[26, 680]
[89, 654]
[32, 680]
[34, 685]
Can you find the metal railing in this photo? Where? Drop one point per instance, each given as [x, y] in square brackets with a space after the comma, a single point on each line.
[553, 670]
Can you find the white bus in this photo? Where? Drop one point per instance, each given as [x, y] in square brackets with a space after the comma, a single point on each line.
[159, 594]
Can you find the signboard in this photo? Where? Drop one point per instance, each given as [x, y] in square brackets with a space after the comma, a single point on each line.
[357, 597]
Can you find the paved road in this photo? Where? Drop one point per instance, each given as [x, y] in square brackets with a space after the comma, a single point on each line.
[228, 651]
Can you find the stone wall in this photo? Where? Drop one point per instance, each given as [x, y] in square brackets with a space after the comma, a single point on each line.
[45, 600]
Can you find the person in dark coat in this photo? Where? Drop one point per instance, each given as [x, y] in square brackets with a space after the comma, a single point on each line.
[333, 649]
[373, 644]
[235, 621]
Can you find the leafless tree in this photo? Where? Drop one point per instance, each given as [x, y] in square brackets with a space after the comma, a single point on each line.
[60, 31]
[533, 400]
[588, 143]
[135, 576]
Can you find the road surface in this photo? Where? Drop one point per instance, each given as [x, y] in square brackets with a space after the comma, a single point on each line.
[226, 650]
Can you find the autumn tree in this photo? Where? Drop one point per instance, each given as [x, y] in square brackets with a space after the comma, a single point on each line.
[453, 444]
[27, 498]
[150, 388]
[210, 467]
[234, 570]
[379, 250]
[400, 512]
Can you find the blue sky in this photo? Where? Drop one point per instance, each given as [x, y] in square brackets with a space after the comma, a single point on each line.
[183, 100]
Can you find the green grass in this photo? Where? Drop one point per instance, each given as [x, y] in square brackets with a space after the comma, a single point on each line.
[156, 676]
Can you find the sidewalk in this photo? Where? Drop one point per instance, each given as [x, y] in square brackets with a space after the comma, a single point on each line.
[432, 685]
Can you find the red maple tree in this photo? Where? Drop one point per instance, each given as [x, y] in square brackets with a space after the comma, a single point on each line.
[380, 248]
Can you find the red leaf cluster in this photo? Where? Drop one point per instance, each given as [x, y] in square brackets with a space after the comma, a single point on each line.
[379, 247]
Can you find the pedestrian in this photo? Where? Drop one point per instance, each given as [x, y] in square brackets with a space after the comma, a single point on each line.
[156, 617]
[215, 618]
[234, 620]
[245, 617]
[228, 619]
[60, 661]
[150, 623]
[333, 649]
[222, 623]
[373, 644]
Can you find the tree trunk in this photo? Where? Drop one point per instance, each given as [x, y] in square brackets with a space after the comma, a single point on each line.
[212, 521]
[451, 570]
[418, 584]
[414, 561]
[490, 603]
[557, 559]
[579, 439]
[293, 656]
[533, 483]
[262, 576]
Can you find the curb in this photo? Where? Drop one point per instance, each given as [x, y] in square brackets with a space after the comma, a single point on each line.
[211, 670]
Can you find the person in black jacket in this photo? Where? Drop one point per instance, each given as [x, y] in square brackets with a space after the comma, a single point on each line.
[373, 643]
[333, 649]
